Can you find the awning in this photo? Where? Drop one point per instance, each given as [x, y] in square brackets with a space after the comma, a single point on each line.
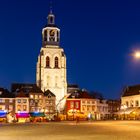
[3, 114]
[37, 114]
[22, 115]
[136, 111]
[126, 111]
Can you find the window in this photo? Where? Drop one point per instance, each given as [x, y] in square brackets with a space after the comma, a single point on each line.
[24, 108]
[127, 104]
[47, 61]
[2, 107]
[45, 35]
[88, 102]
[93, 108]
[24, 101]
[131, 103]
[49, 96]
[0, 100]
[72, 104]
[36, 96]
[31, 102]
[137, 103]
[88, 108]
[18, 108]
[31, 96]
[10, 108]
[57, 36]
[3, 100]
[32, 109]
[47, 102]
[40, 101]
[56, 62]
[93, 102]
[77, 105]
[19, 101]
[10, 100]
[50, 102]
[83, 102]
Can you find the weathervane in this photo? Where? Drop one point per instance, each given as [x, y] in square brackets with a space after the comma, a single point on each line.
[51, 6]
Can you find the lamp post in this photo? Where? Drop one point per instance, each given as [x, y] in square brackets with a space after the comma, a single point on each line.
[65, 97]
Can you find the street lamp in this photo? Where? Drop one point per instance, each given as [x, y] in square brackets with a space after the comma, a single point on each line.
[62, 99]
[137, 54]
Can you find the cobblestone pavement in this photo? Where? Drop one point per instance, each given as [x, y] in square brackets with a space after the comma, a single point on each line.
[102, 130]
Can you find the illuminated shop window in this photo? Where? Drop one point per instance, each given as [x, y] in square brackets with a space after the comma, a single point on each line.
[31, 96]
[19, 107]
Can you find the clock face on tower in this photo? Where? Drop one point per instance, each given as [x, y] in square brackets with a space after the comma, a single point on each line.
[52, 33]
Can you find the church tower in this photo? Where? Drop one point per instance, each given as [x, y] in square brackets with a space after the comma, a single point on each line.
[51, 64]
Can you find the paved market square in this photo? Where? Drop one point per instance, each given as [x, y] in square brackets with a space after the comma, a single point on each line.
[99, 130]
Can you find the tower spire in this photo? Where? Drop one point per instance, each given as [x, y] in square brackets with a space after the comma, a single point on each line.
[51, 7]
[51, 17]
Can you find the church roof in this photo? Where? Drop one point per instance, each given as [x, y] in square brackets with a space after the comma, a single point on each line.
[22, 94]
[27, 88]
[4, 93]
[80, 94]
[131, 90]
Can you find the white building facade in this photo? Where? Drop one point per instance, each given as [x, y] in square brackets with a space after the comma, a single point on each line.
[131, 96]
[51, 64]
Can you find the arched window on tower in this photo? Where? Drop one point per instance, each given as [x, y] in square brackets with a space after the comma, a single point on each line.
[56, 64]
[45, 35]
[57, 36]
[47, 61]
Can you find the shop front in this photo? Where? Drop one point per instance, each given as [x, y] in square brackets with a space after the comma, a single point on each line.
[22, 117]
[74, 114]
[131, 113]
[37, 117]
[3, 116]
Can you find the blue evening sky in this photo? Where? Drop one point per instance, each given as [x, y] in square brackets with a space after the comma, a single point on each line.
[98, 38]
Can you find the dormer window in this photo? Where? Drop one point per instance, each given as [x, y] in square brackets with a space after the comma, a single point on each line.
[49, 96]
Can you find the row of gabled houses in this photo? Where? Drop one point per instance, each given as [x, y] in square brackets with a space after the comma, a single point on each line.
[26, 102]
